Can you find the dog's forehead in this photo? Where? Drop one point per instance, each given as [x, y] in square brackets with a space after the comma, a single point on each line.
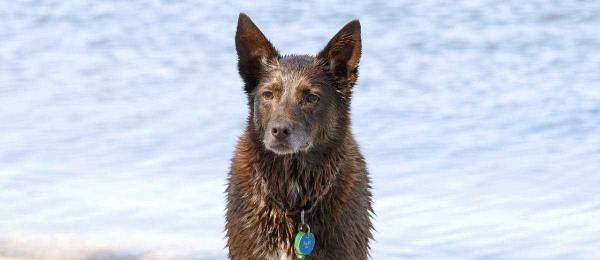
[293, 70]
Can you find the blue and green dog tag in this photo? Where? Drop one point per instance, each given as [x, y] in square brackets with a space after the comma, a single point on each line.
[304, 243]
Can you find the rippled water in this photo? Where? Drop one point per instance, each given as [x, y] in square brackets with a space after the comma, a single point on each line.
[480, 122]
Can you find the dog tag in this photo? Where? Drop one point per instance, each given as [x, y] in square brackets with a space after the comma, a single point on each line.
[304, 243]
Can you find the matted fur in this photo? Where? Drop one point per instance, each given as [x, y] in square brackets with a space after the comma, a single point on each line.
[329, 174]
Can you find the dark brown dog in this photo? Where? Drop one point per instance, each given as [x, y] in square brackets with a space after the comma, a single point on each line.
[298, 153]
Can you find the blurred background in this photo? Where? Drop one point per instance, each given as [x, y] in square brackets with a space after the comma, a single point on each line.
[479, 120]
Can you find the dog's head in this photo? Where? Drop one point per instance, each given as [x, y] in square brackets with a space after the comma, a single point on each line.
[297, 102]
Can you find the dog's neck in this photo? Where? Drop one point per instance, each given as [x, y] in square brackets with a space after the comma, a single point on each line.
[296, 181]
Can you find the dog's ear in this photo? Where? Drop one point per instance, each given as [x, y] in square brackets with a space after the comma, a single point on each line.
[342, 53]
[253, 49]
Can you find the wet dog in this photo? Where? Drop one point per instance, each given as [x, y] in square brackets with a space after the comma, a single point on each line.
[297, 167]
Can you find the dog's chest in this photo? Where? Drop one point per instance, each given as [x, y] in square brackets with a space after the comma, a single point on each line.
[283, 225]
[294, 190]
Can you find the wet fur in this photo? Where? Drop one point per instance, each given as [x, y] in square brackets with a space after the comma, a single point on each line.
[332, 172]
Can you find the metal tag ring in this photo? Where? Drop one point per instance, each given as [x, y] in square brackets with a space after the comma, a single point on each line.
[304, 228]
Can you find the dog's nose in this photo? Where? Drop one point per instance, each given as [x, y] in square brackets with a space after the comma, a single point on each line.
[280, 132]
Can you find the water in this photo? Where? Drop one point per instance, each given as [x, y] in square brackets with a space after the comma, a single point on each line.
[479, 120]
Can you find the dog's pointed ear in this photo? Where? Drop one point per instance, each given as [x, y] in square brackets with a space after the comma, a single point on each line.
[342, 53]
[253, 49]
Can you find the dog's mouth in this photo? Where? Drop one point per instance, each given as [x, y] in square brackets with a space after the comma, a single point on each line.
[280, 148]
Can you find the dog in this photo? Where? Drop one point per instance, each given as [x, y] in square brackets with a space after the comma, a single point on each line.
[298, 186]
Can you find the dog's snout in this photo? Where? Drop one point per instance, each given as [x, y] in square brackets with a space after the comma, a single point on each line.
[280, 132]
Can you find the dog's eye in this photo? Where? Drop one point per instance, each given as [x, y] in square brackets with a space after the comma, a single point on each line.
[267, 94]
[311, 98]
